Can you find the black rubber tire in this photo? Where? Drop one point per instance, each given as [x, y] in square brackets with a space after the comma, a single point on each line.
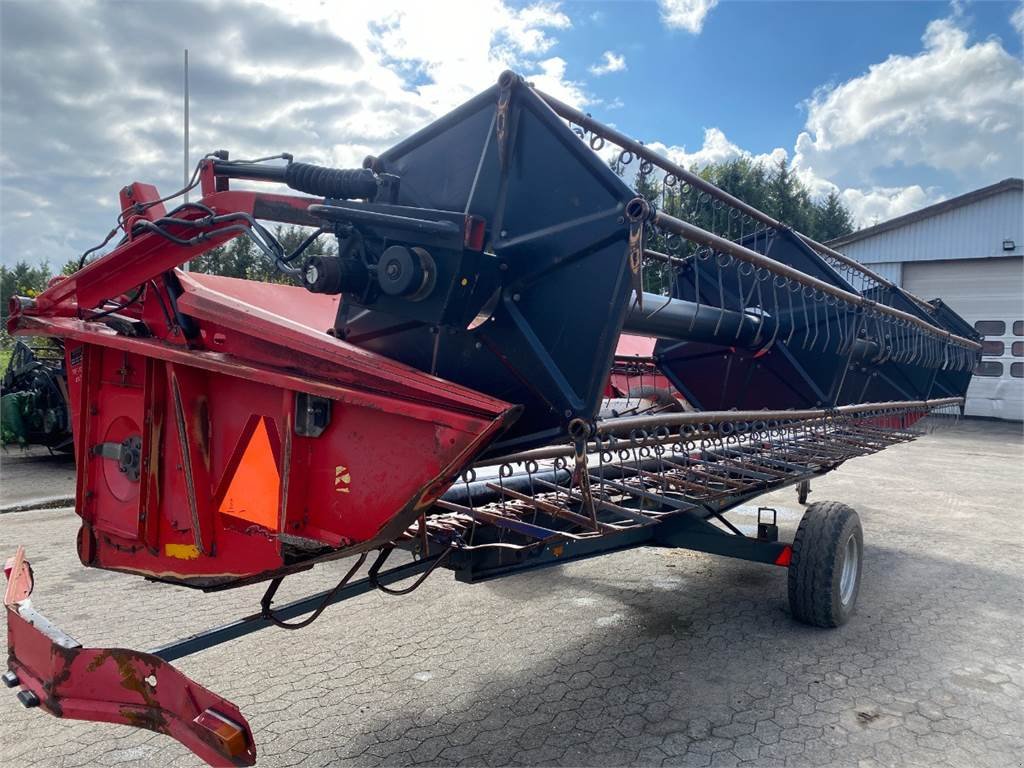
[803, 488]
[820, 548]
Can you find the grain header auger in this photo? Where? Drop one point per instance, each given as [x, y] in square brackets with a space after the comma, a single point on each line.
[435, 385]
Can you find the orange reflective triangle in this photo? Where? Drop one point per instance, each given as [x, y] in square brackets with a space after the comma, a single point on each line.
[255, 490]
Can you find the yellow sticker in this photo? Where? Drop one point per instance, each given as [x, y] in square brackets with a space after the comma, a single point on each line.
[182, 551]
[342, 479]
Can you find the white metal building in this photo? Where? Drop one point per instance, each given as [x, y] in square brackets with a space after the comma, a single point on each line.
[968, 251]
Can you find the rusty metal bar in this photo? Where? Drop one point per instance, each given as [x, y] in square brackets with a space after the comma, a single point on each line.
[664, 257]
[550, 508]
[610, 134]
[630, 424]
[698, 235]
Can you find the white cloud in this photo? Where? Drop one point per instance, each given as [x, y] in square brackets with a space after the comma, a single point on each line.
[450, 50]
[715, 149]
[333, 82]
[953, 111]
[1017, 19]
[610, 62]
[686, 14]
[551, 80]
[91, 92]
[872, 203]
[882, 203]
[954, 107]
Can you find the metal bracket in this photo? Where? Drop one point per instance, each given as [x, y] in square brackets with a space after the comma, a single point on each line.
[501, 127]
[687, 530]
[312, 414]
[767, 531]
[127, 454]
[638, 211]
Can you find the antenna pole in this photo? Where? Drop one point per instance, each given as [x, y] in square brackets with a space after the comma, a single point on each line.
[186, 123]
[185, 266]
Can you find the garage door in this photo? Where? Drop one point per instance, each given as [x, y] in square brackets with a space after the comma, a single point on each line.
[989, 294]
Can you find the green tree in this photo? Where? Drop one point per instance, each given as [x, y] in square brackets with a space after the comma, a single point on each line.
[236, 258]
[243, 259]
[742, 178]
[22, 279]
[788, 200]
[774, 189]
[832, 219]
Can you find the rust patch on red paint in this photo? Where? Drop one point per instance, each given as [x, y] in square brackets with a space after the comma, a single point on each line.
[201, 428]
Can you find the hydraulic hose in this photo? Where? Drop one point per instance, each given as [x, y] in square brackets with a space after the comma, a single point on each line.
[317, 180]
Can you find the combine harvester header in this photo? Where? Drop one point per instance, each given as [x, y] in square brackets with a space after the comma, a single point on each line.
[435, 386]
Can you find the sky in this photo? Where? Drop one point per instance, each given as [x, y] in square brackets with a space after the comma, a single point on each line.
[894, 105]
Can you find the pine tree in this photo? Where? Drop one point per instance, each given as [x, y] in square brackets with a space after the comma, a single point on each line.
[776, 190]
[831, 218]
[787, 199]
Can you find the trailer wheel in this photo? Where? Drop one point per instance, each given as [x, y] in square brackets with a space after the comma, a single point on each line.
[825, 568]
[803, 488]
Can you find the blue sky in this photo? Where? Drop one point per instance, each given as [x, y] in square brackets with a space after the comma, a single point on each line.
[754, 63]
[894, 105]
[752, 68]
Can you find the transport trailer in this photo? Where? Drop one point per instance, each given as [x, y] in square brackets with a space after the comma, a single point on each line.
[436, 384]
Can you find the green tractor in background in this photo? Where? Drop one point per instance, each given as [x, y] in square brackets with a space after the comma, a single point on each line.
[34, 398]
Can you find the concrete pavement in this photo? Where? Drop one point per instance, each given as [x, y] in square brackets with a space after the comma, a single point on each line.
[35, 477]
[646, 657]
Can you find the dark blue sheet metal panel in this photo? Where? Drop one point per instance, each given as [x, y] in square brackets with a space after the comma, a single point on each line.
[557, 237]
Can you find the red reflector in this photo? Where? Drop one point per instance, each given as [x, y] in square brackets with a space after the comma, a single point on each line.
[228, 736]
[784, 557]
[473, 233]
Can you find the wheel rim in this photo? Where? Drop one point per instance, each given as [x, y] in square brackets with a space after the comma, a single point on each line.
[851, 567]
